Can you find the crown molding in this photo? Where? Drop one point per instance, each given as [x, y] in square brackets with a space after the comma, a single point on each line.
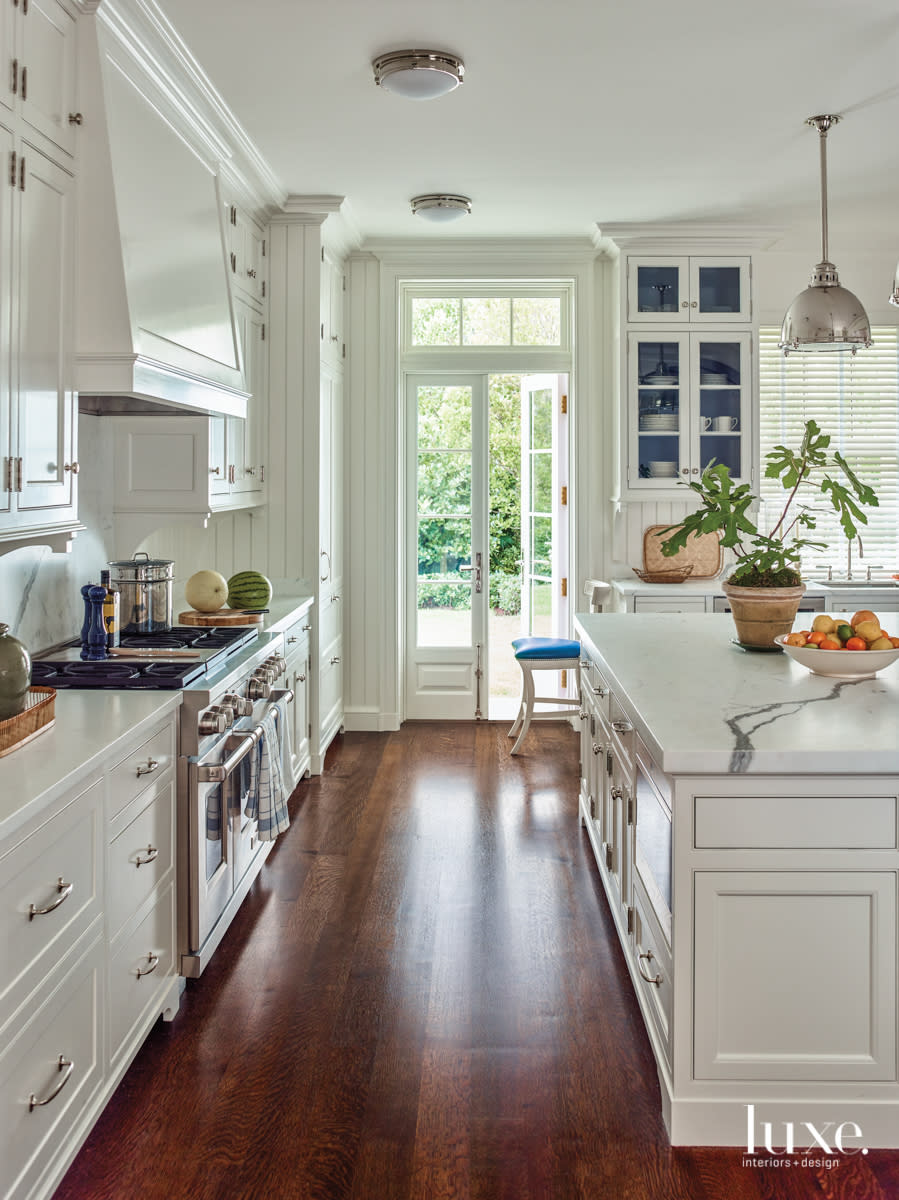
[517, 254]
[700, 237]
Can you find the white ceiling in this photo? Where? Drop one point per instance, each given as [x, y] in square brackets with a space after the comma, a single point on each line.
[573, 112]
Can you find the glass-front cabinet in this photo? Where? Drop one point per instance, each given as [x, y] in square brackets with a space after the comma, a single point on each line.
[688, 405]
[682, 290]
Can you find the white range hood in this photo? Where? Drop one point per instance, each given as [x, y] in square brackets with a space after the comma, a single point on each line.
[155, 326]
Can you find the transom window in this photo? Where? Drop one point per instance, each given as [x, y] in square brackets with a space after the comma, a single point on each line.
[855, 399]
[470, 318]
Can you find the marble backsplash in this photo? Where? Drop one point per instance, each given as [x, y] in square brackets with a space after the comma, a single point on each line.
[40, 592]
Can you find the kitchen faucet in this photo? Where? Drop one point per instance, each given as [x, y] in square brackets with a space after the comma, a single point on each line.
[861, 554]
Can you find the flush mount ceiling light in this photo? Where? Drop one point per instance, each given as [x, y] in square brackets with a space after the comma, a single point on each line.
[440, 209]
[418, 74]
[825, 316]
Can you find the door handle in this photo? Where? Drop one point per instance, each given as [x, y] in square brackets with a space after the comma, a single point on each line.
[468, 568]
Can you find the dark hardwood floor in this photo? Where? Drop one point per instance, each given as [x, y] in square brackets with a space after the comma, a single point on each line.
[424, 998]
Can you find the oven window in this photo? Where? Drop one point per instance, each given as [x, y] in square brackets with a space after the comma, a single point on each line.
[215, 854]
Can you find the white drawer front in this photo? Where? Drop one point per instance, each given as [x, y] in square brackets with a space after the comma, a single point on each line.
[67, 1026]
[58, 868]
[140, 768]
[330, 620]
[141, 856]
[140, 970]
[813, 822]
[653, 963]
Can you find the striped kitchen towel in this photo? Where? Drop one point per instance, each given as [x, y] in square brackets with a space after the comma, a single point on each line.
[268, 797]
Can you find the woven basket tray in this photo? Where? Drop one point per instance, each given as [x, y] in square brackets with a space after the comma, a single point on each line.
[702, 554]
[37, 717]
[678, 575]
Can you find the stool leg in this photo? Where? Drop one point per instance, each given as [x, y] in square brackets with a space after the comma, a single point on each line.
[527, 702]
[520, 716]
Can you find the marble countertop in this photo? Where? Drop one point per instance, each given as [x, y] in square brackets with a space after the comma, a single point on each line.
[703, 705]
[285, 608]
[88, 729]
[712, 587]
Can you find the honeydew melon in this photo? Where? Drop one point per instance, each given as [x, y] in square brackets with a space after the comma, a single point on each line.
[206, 591]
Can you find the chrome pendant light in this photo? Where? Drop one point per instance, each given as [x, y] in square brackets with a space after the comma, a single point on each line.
[825, 316]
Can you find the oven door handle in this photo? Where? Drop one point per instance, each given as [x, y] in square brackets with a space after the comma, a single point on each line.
[219, 772]
[282, 694]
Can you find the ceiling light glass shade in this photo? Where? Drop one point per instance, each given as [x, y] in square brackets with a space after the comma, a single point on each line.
[418, 74]
[894, 298]
[440, 209]
[825, 316]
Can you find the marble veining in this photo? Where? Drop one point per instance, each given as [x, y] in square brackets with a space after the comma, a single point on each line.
[701, 705]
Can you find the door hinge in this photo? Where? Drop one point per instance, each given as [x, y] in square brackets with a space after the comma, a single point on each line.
[630, 811]
[564, 405]
[12, 168]
[323, 254]
[630, 918]
[7, 474]
[233, 263]
[564, 494]
[608, 762]
[564, 679]
[609, 855]
[343, 288]
[263, 289]
[263, 247]
[263, 331]
[564, 585]
[22, 173]
[18, 484]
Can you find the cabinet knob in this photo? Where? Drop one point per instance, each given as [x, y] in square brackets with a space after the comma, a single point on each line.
[683, 304]
[251, 272]
[685, 470]
[215, 470]
[693, 304]
[76, 119]
[73, 467]
[301, 678]
[696, 470]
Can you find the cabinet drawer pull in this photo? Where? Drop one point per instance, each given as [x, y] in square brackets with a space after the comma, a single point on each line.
[306, 628]
[152, 855]
[622, 727]
[584, 664]
[292, 640]
[335, 660]
[66, 1065]
[598, 691]
[64, 890]
[597, 749]
[301, 679]
[152, 964]
[152, 765]
[76, 119]
[654, 979]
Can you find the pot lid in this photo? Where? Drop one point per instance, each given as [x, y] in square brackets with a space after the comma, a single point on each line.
[142, 559]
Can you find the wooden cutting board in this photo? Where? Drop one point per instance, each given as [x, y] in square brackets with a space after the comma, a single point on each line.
[224, 616]
[702, 553]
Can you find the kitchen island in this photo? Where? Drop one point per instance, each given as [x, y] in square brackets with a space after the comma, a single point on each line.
[744, 815]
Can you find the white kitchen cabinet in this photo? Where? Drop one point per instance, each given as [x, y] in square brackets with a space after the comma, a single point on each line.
[247, 439]
[328, 636]
[246, 248]
[669, 604]
[297, 657]
[688, 404]
[37, 49]
[665, 289]
[37, 403]
[87, 917]
[332, 309]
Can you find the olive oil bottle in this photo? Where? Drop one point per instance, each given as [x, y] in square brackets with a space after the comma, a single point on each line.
[111, 616]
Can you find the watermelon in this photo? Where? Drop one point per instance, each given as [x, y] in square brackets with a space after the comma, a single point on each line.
[249, 589]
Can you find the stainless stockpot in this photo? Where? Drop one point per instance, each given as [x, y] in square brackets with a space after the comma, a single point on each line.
[145, 585]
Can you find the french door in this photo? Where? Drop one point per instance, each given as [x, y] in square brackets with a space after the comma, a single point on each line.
[447, 546]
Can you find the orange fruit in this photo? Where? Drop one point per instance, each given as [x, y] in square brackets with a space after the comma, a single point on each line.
[815, 639]
[856, 643]
[831, 643]
[864, 614]
[895, 642]
[795, 639]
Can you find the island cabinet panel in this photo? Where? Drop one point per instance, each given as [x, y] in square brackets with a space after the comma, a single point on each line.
[811, 822]
[795, 975]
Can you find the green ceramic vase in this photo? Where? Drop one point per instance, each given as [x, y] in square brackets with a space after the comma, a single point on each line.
[15, 674]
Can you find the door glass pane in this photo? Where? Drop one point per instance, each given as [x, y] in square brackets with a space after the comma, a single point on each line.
[658, 416]
[443, 592]
[542, 481]
[486, 322]
[542, 419]
[658, 289]
[719, 404]
[541, 607]
[719, 289]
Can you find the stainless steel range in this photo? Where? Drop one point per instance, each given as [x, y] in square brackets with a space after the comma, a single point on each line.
[221, 854]
[228, 677]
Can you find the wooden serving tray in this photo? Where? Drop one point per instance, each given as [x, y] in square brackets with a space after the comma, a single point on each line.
[703, 554]
[224, 616]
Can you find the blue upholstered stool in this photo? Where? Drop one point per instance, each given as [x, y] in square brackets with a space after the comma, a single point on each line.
[543, 654]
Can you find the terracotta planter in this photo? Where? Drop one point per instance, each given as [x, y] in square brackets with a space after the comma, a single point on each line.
[760, 614]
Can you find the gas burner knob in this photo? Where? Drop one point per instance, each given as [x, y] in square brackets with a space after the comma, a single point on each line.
[259, 686]
[276, 664]
[215, 720]
[237, 705]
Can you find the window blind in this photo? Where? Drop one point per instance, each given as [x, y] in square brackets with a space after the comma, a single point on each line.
[855, 399]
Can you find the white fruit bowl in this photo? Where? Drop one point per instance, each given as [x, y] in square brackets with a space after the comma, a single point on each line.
[839, 664]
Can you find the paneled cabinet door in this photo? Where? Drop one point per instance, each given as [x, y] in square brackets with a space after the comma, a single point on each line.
[665, 290]
[46, 487]
[248, 473]
[47, 70]
[332, 309]
[331, 483]
[7, 197]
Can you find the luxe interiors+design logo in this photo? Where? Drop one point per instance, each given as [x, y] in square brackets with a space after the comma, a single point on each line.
[830, 1140]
